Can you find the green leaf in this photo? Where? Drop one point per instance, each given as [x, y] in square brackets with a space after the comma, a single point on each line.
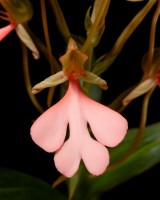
[151, 134]
[16, 185]
[73, 182]
[139, 162]
[145, 156]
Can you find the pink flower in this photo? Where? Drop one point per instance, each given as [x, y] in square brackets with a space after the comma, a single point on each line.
[76, 109]
[18, 27]
[8, 28]
[78, 113]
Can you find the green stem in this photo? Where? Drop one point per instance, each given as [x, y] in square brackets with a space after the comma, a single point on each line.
[27, 79]
[46, 34]
[140, 131]
[131, 27]
[104, 6]
[59, 180]
[117, 103]
[43, 49]
[60, 20]
[152, 39]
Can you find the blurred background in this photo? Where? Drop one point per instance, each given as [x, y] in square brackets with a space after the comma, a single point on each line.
[17, 150]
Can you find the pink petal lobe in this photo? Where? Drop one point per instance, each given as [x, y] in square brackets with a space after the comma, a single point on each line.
[67, 158]
[49, 130]
[95, 156]
[5, 31]
[108, 126]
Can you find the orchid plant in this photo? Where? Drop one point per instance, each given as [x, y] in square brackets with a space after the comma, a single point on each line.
[90, 141]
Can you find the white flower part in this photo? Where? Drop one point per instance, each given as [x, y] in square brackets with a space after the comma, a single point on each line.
[26, 39]
[96, 7]
[94, 79]
[51, 81]
[75, 110]
[141, 89]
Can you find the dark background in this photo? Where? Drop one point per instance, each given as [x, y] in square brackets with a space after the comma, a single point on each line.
[17, 150]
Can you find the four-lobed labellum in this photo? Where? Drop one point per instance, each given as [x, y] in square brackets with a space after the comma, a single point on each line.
[76, 110]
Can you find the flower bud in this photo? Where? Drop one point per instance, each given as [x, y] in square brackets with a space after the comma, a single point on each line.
[20, 11]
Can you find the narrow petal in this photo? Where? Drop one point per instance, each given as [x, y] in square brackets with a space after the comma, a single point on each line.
[49, 130]
[5, 31]
[26, 39]
[51, 81]
[108, 126]
[95, 156]
[67, 159]
[141, 89]
[94, 79]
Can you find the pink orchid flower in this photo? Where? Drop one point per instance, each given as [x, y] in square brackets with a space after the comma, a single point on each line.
[18, 27]
[78, 113]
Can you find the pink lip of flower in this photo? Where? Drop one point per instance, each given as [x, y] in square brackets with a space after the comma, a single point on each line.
[5, 31]
[76, 109]
[8, 28]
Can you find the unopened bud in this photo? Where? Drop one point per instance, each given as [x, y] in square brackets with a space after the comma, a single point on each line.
[21, 11]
